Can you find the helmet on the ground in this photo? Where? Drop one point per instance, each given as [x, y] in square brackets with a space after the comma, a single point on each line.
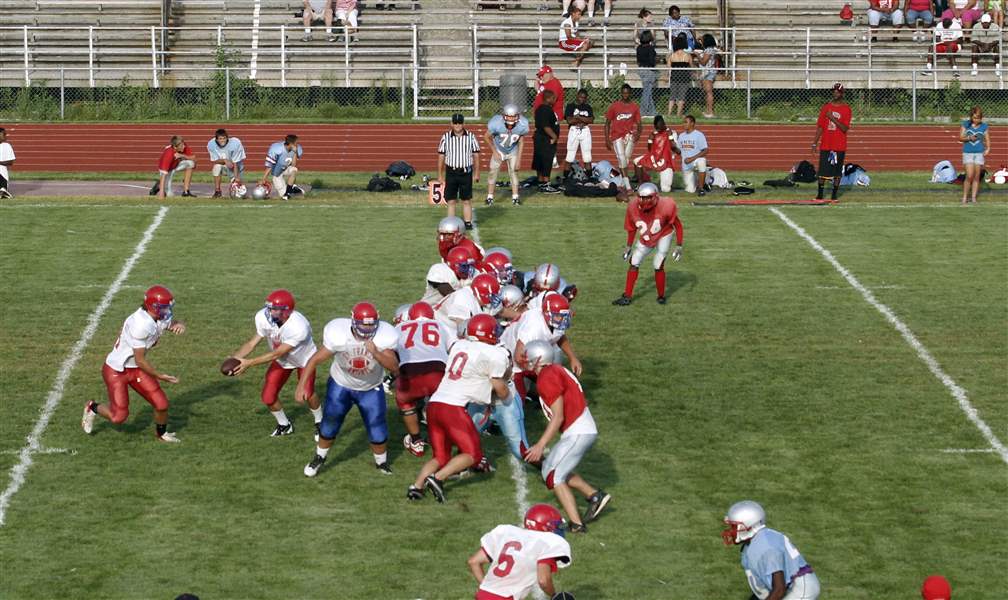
[237, 190]
[261, 191]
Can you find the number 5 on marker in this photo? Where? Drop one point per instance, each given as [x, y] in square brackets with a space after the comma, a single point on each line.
[436, 192]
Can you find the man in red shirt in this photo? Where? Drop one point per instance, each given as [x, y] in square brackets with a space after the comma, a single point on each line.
[548, 81]
[654, 219]
[623, 129]
[659, 156]
[832, 126]
[175, 157]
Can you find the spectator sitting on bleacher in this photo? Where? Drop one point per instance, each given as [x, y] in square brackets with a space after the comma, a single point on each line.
[346, 11]
[676, 23]
[946, 36]
[569, 40]
[986, 42]
[887, 11]
[642, 24]
[965, 11]
[917, 12]
[317, 9]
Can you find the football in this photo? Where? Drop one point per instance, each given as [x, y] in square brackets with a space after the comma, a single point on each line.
[229, 365]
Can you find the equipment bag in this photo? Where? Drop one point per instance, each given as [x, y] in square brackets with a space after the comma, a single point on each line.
[943, 172]
[578, 190]
[855, 175]
[382, 184]
[803, 172]
[400, 169]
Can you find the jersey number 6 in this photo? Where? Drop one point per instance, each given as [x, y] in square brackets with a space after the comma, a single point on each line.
[505, 562]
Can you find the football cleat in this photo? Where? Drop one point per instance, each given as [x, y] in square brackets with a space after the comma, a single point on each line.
[155, 189]
[621, 301]
[188, 194]
[489, 200]
[283, 430]
[384, 468]
[436, 487]
[414, 493]
[312, 468]
[87, 421]
[516, 200]
[168, 437]
[596, 504]
[295, 189]
[217, 194]
[661, 300]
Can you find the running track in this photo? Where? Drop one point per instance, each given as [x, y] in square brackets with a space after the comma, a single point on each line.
[112, 147]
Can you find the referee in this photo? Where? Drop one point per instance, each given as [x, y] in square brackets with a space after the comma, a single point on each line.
[458, 165]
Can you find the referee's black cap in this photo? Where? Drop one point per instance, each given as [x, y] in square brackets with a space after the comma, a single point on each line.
[458, 118]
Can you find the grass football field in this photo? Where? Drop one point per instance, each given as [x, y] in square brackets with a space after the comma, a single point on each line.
[765, 377]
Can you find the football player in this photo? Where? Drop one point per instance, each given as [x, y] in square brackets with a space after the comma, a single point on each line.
[499, 265]
[227, 155]
[506, 135]
[451, 233]
[422, 351]
[773, 566]
[481, 296]
[936, 587]
[449, 275]
[546, 278]
[362, 348]
[291, 345]
[563, 402]
[127, 366]
[659, 157]
[478, 371]
[281, 164]
[651, 219]
[521, 558]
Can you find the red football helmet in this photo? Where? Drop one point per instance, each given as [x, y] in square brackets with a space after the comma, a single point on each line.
[499, 265]
[420, 310]
[543, 517]
[158, 300]
[483, 328]
[279, 306]
[461, 262]
[487, 290]
[364, 320]
[556, 309]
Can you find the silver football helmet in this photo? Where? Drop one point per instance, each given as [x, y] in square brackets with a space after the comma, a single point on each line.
[547, 277]
[260, 192]
[743, 519]
[451, 225]
[511, 296]
[500, 249]
[647, 189]
[511, 113]
[401, 313]
[539, 353]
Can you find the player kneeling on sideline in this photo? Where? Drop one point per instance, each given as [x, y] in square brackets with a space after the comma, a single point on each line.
[773, 566]
[563, 403]
[227, 156]
[281, 165]
[659, 156]
[361, 347]
[175, 157]
[653, 218]
[291, 345]
[478, 370]
[126, 366]
[520, 557]
[423, 352]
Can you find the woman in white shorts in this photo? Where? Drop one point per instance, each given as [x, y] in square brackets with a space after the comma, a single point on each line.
[975, 139]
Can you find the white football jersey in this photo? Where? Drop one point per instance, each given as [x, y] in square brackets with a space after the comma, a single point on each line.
[439, 273]
[469, 369]
[140, 330]
[296, 331]
[457, 308]
[515, 553]
[531, 326]
[353, 367]
[423, 340]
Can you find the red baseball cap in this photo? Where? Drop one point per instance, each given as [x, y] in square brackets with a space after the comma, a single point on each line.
[936, 587]
[545, 69]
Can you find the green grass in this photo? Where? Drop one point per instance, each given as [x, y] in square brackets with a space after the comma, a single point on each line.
[765, 377]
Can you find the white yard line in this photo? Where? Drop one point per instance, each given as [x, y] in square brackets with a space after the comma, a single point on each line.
[33, 443]
[968, 451]
[957, 392]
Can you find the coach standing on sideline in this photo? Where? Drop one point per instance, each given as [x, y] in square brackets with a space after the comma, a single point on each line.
[832, 126]
[458, 166]
[6, 160]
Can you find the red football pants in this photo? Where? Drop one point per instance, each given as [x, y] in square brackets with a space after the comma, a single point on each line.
[276, 377]
[118, 384]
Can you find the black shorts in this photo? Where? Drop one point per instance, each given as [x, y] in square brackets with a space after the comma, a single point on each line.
[458, 184]
[542, 157]
[828, 168]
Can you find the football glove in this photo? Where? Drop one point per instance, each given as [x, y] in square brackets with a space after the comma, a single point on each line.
[626, 254]
[677, 254]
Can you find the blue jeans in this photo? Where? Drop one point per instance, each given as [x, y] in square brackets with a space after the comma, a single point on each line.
[509, 417]
[647, 77]
[924, 15]
[338, 402]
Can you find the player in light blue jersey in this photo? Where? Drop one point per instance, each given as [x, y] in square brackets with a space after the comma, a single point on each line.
[227, 155]
[281, 164]
[773, 566]
[506, 135]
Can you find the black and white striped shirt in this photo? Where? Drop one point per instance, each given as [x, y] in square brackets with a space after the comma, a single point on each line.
[458, 149]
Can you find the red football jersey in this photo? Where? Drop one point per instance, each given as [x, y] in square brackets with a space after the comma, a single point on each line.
[654, 224]
[624, 117]
[832, 138]
[558, 93]
[555, 381]
[476, 251]
[168, 162]
[661, 150]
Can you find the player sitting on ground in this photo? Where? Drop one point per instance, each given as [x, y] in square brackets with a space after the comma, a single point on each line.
[281, 163]
[361, 347]
[175, 157]
[478, 371]
[521, 557]
[289, 335]
[659, 157]
[651, 219]
[126, 366]
[563, 402]
[227, 156]
[422, 351]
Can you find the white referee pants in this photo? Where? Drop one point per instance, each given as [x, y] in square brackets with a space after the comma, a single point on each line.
[579, 138]
[624, 154]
